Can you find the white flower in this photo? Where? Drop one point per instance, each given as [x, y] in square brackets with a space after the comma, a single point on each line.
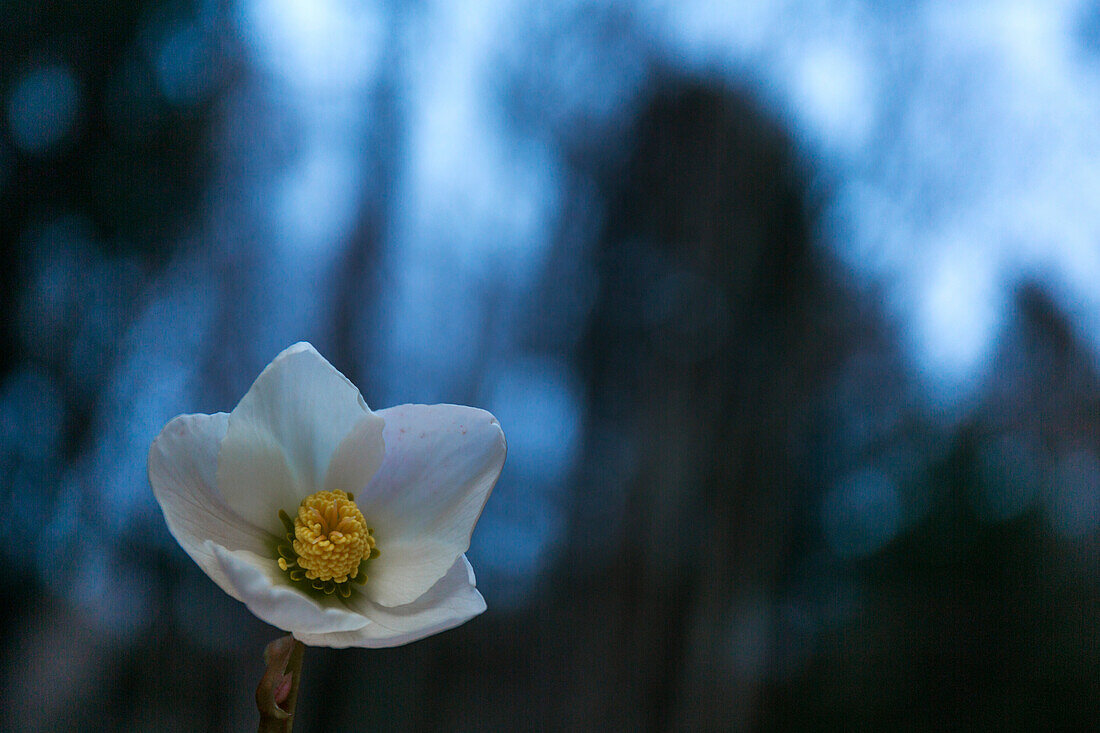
[379, 506]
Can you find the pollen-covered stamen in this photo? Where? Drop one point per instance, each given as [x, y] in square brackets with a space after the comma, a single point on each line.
[329, 538]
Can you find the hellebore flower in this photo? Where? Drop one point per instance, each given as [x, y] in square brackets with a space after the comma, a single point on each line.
[343, 526]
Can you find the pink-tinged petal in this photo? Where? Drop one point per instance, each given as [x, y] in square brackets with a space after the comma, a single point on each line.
[452, 601]
[284, 432]
[358, 457]
[182, 463]
[441, 463]
[267, 592]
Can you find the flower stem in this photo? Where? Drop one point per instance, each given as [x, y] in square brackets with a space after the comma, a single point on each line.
[294, 668]
[277, 693]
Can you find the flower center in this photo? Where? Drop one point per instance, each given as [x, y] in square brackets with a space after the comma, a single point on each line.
[329, 538]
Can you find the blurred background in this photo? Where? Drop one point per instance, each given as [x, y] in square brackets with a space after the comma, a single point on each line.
[789, 311]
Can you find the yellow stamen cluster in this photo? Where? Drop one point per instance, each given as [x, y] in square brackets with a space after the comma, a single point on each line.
[329, 538]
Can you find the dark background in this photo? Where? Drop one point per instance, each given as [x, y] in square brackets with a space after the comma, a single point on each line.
[790, 318]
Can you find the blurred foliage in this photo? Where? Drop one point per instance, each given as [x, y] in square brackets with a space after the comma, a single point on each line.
[131, 154]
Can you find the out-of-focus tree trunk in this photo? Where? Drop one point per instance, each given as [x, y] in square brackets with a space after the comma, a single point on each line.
[707, 344]
[715, 335]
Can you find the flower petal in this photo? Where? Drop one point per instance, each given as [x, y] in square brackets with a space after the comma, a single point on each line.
[358, 457]
[441, 463]
[406, 568]
[283, 434]
[268, 594]
[182, 462]
[452, 601]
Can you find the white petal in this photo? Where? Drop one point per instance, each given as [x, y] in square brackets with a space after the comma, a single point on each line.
[441, 463]
[182, 465]
[452, 601]
[254, 477]
[267, 592]
[408, 569]
[358, 457]
[283, 434]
